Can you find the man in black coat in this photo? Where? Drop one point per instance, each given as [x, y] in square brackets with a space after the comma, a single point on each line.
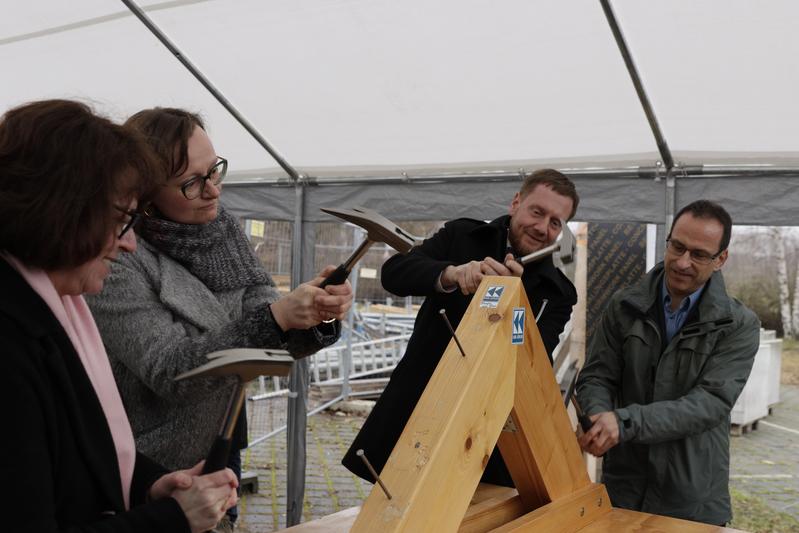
[447, 268]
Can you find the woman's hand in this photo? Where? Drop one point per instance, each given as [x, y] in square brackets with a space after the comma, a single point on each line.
[169, 483]
[205, 500]
[336, 303]
[308, 305]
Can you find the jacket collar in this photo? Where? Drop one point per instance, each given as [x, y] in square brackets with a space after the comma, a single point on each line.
[713, 306]
[497, 231]
[21, 303]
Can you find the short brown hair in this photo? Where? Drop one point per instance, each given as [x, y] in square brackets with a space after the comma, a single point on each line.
[167, 130]
[554, 180]
[62, 171]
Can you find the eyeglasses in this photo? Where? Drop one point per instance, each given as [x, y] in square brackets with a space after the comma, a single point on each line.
[134, 218]
[195, 187]
[700, 257]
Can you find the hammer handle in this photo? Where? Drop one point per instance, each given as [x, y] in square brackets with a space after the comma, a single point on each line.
[585, 423]
[338, 276]
[218, 456]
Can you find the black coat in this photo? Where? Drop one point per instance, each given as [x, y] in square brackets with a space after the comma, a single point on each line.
[57, 455]
[415, 273]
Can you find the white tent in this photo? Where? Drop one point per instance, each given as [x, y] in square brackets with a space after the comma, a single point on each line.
[434, 109]
[362, 89]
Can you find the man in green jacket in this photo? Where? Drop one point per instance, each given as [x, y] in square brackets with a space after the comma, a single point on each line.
[665, 367]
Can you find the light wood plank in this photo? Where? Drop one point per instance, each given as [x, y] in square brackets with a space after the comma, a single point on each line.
[340, 522]
[491, 513]
[435, 467]
[542, 454]
[618, 520]
[488, 491]
[564, 515]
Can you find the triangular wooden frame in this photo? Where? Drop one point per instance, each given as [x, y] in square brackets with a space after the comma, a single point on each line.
[503, 392]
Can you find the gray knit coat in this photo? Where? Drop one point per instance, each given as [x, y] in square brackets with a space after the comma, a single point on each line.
[158, 320]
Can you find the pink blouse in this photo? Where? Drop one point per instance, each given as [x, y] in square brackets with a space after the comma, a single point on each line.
[76, 319]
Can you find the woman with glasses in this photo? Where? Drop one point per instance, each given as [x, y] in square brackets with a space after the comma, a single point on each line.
[194, 286]
[69, 187]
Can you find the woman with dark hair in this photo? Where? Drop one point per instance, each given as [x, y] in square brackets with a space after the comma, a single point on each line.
[194, 286]
[70, 182]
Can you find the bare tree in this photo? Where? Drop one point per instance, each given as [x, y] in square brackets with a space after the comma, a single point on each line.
[795, 315]
[788, 319]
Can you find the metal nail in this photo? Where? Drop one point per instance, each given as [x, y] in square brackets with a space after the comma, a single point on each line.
[443, 314]
[360, 454]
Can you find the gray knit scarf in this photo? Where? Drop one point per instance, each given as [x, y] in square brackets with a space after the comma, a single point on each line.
[217, 253]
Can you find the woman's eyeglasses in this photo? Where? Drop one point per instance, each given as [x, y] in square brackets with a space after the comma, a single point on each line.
[195, 187]
[133, 218]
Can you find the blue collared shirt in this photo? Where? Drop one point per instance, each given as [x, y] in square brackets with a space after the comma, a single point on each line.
[676, 319]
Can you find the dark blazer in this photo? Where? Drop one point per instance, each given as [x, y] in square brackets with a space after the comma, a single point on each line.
[57, 455]
[415, 273]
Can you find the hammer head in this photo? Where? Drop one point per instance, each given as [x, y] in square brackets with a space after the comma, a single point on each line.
[245, 363]
[567, 245]
[378, 227]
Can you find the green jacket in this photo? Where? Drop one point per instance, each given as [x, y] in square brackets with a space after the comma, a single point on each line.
[673, 404]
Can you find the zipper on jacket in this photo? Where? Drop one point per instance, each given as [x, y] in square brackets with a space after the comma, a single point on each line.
[653, 368]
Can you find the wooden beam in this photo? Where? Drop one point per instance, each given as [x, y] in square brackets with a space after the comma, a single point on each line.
[540, 448]
[488, 514]
[435, 467]
[340, 522]
[567, 514]
[626, 520]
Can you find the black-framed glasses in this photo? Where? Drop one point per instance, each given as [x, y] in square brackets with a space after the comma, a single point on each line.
[195, 187]
[700, 257]
[134, 217]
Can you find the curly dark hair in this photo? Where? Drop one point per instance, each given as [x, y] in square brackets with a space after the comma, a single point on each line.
[64, 174]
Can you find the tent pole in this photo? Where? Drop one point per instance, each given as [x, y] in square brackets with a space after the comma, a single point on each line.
[297, 415]
[155, 30]
[663, 147]
[671, 199]
[660, 139]
[707, 171]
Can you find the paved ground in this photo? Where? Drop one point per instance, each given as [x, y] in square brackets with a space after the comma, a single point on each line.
[329, 487]
[765, 463]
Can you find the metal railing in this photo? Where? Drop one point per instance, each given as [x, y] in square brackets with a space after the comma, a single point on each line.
[387, 323]
[364, 359]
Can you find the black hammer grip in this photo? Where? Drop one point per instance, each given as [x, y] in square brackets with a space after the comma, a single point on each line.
[218, 456]
[338, 277]
[585, 423]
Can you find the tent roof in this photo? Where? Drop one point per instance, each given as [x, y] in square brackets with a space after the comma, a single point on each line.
[363, 88]
[364, 83]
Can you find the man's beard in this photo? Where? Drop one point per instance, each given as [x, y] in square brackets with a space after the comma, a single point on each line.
[521, 249]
